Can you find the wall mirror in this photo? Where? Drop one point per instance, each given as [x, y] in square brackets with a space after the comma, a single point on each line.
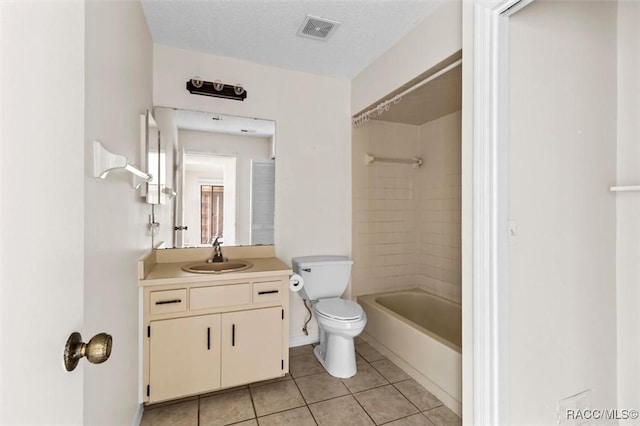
[154, 155]
[224, 177]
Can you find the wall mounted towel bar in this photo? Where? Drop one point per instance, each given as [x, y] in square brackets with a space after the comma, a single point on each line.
[415, 161]
[625, 188]
[105, 162]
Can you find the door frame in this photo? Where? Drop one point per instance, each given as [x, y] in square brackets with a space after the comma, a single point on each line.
[490, 208]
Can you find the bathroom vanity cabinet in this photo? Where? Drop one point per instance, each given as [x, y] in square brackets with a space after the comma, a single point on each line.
[207, 332]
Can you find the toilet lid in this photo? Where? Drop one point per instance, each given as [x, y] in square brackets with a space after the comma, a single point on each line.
[339, 309]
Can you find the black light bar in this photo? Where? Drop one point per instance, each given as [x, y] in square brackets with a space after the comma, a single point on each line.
[216, 89]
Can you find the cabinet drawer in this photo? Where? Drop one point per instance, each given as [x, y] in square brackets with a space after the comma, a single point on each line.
[268, 291]
[220, 296]
[167, 301]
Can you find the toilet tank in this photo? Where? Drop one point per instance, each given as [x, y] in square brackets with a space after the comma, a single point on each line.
[324, 276]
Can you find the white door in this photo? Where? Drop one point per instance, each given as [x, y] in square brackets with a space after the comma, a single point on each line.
[42, 210]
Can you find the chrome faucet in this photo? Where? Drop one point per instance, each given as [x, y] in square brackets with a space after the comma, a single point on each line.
[217, 252]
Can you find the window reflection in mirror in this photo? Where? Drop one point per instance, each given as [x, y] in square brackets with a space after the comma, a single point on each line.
[224, 175]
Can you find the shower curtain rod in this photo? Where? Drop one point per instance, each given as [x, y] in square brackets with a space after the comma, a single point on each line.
[384, 106]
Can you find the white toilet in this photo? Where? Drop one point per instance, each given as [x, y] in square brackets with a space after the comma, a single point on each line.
[325, 279]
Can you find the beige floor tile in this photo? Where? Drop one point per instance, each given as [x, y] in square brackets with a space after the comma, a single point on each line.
[321, 386]
[226, 408]
[276, 397]
[172, 402]
[252, 422]
[343, 411]
[219, 392]
[443, 416]
[267, 382]
[390, 371]
[415, 420]
[418, 395]
[304, 365]
[180, 414]
[300, 350]
[359, 340]
[360, 360]
[296, 417]
[366, 378]
[369, 353]
[385, 404]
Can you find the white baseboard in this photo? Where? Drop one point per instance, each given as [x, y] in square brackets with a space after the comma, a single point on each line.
[138, 417]
[303, 340]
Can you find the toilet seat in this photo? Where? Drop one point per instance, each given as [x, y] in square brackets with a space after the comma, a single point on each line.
[339, 309]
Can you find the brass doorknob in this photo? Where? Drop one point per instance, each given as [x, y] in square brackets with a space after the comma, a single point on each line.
[97, 350]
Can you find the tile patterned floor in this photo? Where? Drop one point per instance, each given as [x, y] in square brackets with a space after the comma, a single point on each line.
[380, 393]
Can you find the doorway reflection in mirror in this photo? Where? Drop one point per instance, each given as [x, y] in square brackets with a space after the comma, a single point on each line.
[225, 175]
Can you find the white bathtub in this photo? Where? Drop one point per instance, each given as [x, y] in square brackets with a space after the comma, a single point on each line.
[422, 333]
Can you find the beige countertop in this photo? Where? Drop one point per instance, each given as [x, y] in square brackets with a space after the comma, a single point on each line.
[172, 273]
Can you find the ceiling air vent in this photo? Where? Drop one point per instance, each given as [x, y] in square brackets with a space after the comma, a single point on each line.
[317, 28]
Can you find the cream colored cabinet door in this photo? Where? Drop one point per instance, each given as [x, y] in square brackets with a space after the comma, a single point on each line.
[251, 346]
[184, 356]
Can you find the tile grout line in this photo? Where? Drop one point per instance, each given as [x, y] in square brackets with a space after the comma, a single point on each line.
[305, 401]
[389, 383]
[353, 393]
[253, 405]
[405, 397]
[198, 418]
[406, 417]
[363, 409]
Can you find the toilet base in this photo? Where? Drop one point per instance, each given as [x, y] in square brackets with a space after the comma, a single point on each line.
[337, 355]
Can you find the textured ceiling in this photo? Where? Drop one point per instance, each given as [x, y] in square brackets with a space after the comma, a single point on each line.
[265, 31]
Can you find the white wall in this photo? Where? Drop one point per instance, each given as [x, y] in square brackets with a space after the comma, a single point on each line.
[628, 205]
[118, 89]
[562, 266]
[41, 227]
[433, 40]
[313, 170]
[245, 148]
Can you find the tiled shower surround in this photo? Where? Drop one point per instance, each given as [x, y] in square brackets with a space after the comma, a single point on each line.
[406, 228]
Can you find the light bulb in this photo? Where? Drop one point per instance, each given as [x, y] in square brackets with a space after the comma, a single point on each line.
[218, 85]
[197, 82]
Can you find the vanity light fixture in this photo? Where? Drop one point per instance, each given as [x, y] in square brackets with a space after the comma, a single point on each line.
[216, 89]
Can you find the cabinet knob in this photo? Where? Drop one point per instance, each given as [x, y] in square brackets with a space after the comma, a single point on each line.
[97, 350]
